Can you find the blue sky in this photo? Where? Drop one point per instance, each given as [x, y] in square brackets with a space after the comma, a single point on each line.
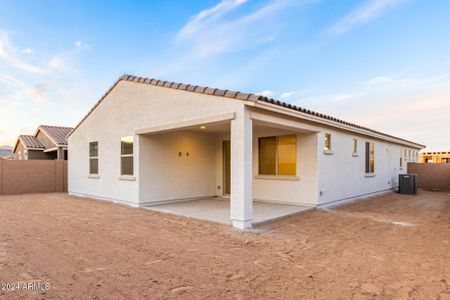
[384, 64]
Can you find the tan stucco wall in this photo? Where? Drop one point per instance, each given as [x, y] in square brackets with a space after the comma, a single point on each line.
[131, 106]
[342, 175]
[167, 175]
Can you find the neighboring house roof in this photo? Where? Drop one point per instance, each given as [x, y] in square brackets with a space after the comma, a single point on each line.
[29, 142]
[235, 95]
[57, 134]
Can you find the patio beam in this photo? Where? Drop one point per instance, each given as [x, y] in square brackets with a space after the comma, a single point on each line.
[186, 124]
[283, 123]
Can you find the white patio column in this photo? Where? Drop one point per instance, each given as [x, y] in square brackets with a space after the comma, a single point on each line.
[241, 170]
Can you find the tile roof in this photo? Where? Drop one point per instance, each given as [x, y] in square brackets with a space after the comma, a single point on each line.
[231, 94]
[58, 134]
[30, 142]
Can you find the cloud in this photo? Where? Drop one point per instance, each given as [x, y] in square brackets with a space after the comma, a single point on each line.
[215, 31]
[346, 97]
[38, 87]
[27, 51]
[200, 20]
[267, 93]
[20, 89]
[80, 45]
[9, 54]
[58, 64]
[363, 15]
[287, 94]
[407, 107]
[379, 80]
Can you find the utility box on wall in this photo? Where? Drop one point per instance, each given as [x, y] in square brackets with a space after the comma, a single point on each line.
[407, 183]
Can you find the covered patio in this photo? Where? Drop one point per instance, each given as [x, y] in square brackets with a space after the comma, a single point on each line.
[218, 210]
[211, 168]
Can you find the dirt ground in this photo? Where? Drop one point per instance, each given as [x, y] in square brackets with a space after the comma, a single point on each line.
[386, 247]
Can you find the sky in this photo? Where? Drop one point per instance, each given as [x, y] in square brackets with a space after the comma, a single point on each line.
[384, 64]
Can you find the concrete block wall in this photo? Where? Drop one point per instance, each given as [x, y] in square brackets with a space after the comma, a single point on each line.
[32, 176]
[431, 176]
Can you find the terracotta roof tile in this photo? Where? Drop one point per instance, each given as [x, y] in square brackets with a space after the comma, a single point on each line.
[209, 91]
[200, 89]
[231, 94]
[242, 96]
[191, 88]
[235, 95]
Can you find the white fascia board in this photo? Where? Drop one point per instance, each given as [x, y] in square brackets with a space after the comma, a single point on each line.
[305, 116]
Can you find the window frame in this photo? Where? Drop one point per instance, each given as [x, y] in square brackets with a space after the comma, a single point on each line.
[327, 149]
[401, 159]
[122, 155]
[370, 168]
[92, 157]
[354, 147]
[276, 174]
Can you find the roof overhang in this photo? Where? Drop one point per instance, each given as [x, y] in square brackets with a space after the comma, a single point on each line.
[257, 101]
[25, 147]
[286, 111]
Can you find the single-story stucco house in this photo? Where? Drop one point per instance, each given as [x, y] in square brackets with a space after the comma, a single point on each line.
[151, 142]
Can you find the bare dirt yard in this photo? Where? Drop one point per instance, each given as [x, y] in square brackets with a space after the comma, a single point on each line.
[386, 247]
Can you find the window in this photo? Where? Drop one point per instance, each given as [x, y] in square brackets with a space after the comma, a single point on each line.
[401, 158]
[409, 155]
[126, 155]
[327, 142]
[355, 146]
[93, 158]
[277, 155]
[370, 158]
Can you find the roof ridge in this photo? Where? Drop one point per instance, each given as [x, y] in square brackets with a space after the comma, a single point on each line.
[230, 94]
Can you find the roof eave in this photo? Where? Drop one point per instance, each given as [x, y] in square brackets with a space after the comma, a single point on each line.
[288, 111]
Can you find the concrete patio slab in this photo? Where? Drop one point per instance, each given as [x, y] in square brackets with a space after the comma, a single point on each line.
[218, 210]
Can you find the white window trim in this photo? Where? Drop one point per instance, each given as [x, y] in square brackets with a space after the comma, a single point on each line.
[129, 177]
[281, 177]
[328, 151]
[278, 177]
[94, 175]
[90, 159]
[355, 153]
[370, 174]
